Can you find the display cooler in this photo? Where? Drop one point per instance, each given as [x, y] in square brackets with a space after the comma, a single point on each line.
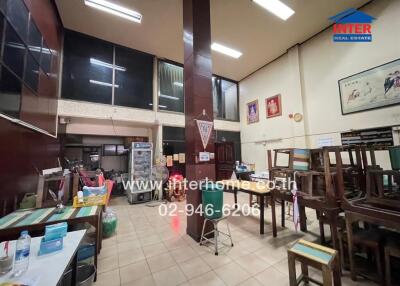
[140, 164]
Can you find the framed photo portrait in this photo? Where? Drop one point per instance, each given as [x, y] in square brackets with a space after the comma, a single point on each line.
[252, 112]
[273, 105]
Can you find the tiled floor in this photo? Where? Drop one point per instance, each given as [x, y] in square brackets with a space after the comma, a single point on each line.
[150, 249]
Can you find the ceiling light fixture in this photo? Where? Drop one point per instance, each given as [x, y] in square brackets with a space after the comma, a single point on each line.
[107, 65]
[169, 97]
[177, 83]
[103, 83]
[276, 7]
[225, 50]
[115, 9]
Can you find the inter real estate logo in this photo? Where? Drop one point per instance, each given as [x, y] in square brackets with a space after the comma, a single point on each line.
[352, 26]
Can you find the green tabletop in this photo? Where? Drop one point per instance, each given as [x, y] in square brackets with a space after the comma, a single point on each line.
[37, 216]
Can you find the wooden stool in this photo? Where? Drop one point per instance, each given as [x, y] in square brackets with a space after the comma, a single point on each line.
[392, 248]
[316, 256]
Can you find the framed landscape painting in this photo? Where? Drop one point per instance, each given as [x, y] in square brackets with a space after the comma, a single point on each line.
[252, 112]
[374, 88]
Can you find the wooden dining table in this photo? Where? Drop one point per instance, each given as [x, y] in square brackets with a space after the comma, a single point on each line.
[259, 189]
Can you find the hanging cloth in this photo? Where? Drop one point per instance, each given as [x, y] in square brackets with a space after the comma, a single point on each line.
[296, 213]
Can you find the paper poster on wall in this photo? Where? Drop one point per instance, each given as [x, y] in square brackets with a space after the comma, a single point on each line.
[176, 157]
[164, 160]
[182, 158]
[325, 141]
[204, 156]
[170, 162]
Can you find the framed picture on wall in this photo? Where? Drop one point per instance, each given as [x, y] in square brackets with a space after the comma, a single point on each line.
[252, 112]
[273, 106]
[374, 88]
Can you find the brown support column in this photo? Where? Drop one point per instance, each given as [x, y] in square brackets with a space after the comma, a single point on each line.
[198, 97]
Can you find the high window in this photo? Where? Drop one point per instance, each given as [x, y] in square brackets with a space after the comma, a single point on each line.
[225, 99]
[171, 92]
[24, 55]
[101, 72]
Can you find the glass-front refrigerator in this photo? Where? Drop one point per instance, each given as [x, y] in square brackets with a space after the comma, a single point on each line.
[140, 164]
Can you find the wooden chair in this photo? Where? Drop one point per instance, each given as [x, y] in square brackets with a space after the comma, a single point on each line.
[392, 249]
[316, 256]
[370, 241]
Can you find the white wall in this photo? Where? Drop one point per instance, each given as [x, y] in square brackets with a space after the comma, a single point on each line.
[267, 82]
[325, 62]
[313, 91]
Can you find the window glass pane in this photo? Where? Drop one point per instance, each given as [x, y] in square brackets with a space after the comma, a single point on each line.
[217, 99]
[230, 100]
[18, 15]
[14, 51]
[31, 72]
[45, 59]
[171, 87]
[225, 99]
[34, 41]
[173, 133]
[10, 93]
[87, 69]
[133, 78]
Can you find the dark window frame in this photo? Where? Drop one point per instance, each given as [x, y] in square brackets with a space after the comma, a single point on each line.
[159, 85]
[110, 60]
[214, 75]
[7, 22]
[30, 21]
[237, 99]
[114, 68]
[21, 78]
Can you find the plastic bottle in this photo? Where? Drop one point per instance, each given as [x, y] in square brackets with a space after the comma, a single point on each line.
[21, 262]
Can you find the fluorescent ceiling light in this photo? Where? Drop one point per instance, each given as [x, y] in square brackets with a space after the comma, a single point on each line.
[115, 9]
[107, 65]
[169, 97]
[161, 106]
[177, 83]
[276, 7]
[225, 50]
[103, 83]
[15, 45]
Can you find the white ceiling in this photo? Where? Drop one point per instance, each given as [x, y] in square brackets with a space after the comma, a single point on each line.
[240, 24]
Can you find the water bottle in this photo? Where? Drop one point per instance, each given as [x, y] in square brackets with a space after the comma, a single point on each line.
[21, 262]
